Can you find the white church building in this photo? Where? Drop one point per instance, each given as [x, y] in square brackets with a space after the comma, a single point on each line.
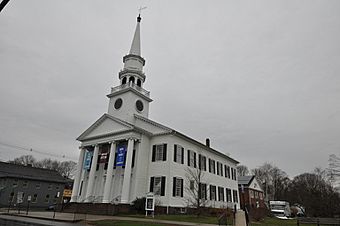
[125, 155]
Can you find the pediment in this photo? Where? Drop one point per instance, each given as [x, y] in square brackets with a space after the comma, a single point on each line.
[151, 126]
[255, 185]
[103, 126]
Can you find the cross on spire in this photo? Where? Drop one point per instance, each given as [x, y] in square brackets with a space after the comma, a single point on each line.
[140, 11]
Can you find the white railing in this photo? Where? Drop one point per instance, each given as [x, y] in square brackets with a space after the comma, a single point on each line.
[131, 85]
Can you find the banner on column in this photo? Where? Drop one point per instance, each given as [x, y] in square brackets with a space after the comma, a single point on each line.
[121, 153]
[87, 160]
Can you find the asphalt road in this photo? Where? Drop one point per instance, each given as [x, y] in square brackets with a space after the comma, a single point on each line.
[6, 220]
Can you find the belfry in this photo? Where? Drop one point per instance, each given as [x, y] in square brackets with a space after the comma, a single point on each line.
[124, 155]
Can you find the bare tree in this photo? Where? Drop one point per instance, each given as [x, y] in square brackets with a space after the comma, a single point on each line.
[274, 181]
[196, 188]
[242, 170]
[24, 160]
[65, 168]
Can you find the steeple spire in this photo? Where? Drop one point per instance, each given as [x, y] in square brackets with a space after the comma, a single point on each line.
[133, 62]
[135, 46]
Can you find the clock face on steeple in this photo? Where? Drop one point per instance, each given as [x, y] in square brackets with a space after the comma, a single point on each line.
[139, 105]
[118, 103]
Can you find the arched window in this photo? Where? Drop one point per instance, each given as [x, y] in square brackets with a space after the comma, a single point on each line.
[124, 81]
[132, 79]
[139, 83]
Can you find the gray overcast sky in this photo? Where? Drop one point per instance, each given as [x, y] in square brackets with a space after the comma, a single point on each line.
[260, 78]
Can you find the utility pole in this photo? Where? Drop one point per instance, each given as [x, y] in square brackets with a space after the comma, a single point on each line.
[3, 4]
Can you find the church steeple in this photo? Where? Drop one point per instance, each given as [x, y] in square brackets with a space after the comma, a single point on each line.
[129, 98]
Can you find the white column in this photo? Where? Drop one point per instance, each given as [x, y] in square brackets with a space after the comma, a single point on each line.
[90, 183]
[109, 173]
[76, 184]
[127, 173]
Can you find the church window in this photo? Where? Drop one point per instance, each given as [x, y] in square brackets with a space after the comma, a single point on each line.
[212, 166]
[202, 162]
[157, 185]
[235, 196]
[227, 171]
[233, 174]
[177, 187]
[202, 191]
[212, 192]
[139, 83]
[221, 194]
[228, 195]
[118, 103]
[139, 105]
[159, 152]
[178, 154]
[124, 81]
[219, 168]
[191, 158]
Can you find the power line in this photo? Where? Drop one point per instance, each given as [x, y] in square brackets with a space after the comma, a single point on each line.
[36, 151]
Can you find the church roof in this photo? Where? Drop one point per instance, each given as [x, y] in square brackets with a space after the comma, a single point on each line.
[183, 136]
[245, 180]
[30, 173]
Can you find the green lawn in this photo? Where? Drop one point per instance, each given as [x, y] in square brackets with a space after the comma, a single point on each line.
[180, 218]
[186, 218]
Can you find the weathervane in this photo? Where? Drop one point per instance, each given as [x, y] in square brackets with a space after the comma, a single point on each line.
[140, 9]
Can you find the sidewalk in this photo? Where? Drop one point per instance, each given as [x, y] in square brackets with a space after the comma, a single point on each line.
[69, 217]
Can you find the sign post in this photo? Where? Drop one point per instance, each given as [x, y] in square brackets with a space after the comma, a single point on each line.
[20, 197]
[55, 204]
[150, 204]
[29, 198]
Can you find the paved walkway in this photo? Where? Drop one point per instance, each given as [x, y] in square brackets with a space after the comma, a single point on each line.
[70, 217]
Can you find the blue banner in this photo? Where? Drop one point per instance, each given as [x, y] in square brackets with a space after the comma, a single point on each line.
[87, 160]
[121, 153]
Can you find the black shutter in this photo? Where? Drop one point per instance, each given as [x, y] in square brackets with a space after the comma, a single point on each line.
[154, 153]
[151, 184]
[163, 186]
[199, 190]
[221, 165]
[174, 187]
[199, 161]
[194, 160]
[133, 158]
[182, 156]
[182, 188]
[188, 157]
[175, 153]
[164, 152]
[209, 165]
[205, 191]
[210, 192]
